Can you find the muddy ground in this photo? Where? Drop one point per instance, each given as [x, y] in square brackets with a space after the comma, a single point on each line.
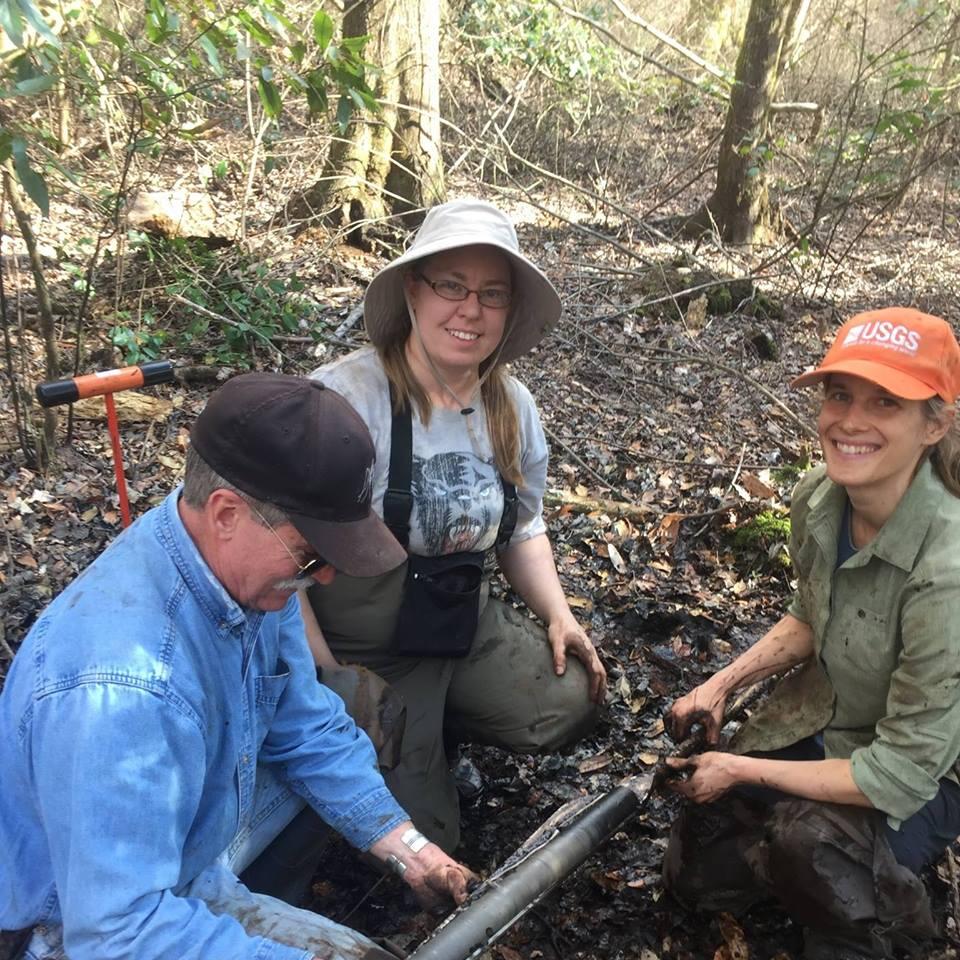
[675, 445]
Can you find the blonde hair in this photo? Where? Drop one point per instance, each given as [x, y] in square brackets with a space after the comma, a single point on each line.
[945, 455]
[502, 422]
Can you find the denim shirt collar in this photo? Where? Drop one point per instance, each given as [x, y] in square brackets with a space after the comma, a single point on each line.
[899, 540]
[206, 589]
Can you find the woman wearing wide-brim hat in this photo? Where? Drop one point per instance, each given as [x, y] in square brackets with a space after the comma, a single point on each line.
[844, 784]
[467, 480]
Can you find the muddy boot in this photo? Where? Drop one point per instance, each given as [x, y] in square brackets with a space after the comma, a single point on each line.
[833, 871]
[715, 858]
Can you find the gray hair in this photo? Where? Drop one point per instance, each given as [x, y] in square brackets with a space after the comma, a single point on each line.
[200, 480]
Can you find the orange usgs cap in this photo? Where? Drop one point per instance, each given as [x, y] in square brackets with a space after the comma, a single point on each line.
[911, 354]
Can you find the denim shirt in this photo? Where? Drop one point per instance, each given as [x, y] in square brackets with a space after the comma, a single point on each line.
[131, 724]
[886, 629]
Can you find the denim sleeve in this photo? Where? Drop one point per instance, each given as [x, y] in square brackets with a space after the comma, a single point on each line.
[117, 809]
[317, 749]
[918, 740]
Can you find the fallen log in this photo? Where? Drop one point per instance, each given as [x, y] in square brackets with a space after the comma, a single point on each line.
[574, 503]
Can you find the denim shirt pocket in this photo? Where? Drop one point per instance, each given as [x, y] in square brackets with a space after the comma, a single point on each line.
[267, 692]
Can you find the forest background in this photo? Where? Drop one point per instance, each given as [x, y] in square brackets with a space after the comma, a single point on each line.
[712, 184]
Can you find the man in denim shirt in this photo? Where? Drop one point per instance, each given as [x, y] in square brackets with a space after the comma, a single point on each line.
[143, 700]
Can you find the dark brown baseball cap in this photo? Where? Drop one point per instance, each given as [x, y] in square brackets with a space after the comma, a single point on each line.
[300, 446]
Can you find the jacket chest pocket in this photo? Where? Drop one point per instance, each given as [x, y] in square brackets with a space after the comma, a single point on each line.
[267, 693]
[860, 655]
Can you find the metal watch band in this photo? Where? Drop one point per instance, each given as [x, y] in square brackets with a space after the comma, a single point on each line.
[414, 839]
[395, 865]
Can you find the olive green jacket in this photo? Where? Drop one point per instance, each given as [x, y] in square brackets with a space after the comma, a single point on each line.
[886, 628]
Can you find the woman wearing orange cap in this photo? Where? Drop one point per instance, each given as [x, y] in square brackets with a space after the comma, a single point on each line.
[854, 790]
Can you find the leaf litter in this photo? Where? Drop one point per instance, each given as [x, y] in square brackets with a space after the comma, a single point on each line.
[659, 455]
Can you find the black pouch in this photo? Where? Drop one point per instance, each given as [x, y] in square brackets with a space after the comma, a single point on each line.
[441, 597]
[441, 606]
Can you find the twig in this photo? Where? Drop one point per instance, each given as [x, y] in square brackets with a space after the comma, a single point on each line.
[736, 474]
[675, 356]
[516, 95]
[616, 508]
[954, 891]
[674, 45]
[642, 57]
[575, 456]
[19, 416]
[252, 167]
[673, 295]
[363, 899]
[4, 646]
[203, 311]
[355, 314]
[103, 235]
[579, 227]
[695, 743]
[673, 461]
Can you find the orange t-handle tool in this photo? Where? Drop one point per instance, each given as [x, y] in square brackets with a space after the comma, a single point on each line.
[106, 383]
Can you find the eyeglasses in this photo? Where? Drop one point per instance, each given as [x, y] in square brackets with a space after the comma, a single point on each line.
[496, 297]
[305, 571]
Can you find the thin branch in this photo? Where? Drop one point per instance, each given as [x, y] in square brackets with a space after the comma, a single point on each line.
[18, 414]
[674, 45]
[730, 486]
[675, 356]
[575, 456]
[645, 58]
[954, 890]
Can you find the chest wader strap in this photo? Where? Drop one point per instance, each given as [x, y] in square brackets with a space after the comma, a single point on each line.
[398, 501]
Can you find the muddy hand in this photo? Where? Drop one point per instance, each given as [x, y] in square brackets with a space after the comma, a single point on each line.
[708, 776]
[440, 880]
[701, 705]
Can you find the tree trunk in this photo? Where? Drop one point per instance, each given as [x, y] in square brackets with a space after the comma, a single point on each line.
[387, 164]
[44, 306]
[740, 206]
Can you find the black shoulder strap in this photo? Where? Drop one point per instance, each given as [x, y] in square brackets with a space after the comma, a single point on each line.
[397, 501]
[508, 519]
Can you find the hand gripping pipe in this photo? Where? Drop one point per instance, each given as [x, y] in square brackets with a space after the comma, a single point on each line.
[106, 383]
[508, 895]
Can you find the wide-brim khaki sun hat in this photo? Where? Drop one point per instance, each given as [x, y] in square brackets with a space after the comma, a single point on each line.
[535, 306]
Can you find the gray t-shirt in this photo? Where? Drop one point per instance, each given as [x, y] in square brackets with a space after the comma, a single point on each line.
[457, 496]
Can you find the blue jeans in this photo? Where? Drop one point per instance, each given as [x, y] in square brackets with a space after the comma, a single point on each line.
[223, 893]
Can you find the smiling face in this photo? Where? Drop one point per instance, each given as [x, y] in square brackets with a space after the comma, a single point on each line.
[458, 334]
[872, 440]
